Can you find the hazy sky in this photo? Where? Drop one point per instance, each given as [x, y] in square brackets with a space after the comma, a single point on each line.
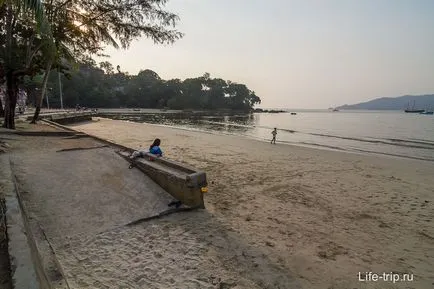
[299, 54]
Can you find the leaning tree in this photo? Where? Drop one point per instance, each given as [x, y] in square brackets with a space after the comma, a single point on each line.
[81, 29]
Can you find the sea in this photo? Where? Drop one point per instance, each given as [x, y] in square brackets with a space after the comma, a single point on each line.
[391, 133]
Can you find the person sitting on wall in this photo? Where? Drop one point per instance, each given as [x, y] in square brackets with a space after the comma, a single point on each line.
[153, 149]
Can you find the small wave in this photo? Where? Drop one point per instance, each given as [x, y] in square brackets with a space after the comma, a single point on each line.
[395, 155]
[401, 144]
[423, 140]
[324, 146]
[228, 123]
[417, 141]
[196, 129]
[248, 131]
[288, 130]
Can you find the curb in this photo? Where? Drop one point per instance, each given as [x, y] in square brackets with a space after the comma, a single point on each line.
[26, 268]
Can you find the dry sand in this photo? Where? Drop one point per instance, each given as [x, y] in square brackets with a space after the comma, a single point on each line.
[80, 202]
[324, 216]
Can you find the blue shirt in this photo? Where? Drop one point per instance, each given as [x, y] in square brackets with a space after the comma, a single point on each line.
[155, 150]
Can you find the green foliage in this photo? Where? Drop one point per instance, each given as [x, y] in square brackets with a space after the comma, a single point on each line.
[25, 40]
[37, 36]
[91, 86]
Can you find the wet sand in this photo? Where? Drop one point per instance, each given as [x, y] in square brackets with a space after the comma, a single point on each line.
[322, 216]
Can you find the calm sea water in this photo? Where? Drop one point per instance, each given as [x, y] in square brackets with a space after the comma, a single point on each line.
[380, 132]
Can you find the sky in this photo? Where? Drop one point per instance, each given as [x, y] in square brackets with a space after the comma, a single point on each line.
[298, 54]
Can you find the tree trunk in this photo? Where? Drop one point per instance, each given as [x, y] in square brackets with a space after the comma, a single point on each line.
[40, 98]
[10, 100]
[2, 111]
[60, 89]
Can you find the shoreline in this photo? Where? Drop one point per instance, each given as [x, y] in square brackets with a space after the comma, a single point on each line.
[287, 143]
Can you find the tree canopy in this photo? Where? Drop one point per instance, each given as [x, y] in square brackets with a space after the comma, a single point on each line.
[99, 86]
[38, 36]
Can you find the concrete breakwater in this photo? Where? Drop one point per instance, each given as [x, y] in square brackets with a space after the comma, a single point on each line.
[66, 117]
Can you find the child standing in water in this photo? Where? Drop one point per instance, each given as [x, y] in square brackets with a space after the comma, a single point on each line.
[274, 133]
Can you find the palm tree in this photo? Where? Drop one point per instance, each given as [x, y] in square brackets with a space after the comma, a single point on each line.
[21, 47]
[69, 25]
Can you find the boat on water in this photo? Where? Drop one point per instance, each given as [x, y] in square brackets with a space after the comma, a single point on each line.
[335, 109]
[413, 109]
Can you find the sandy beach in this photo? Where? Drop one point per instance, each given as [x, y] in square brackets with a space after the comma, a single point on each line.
[325, 216]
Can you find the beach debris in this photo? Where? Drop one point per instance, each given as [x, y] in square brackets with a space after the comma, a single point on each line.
[426, 235]
[330, 250]
[81, 148]
[3, 147]
[269, 244]
[214, 280]
[158, 255]
[383, 224]
[175, 204]
[227, 285]
[160, 215]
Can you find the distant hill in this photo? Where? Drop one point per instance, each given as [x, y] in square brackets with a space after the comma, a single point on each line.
[395, 103]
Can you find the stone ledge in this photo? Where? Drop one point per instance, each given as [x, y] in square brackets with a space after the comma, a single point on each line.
[26, 271]
[183, 184]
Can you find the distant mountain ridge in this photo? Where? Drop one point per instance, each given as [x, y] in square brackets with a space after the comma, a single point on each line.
[395, 103]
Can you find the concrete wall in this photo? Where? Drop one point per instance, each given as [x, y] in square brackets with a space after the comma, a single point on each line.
[71, 119]
[66, 118]
[183, 183]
